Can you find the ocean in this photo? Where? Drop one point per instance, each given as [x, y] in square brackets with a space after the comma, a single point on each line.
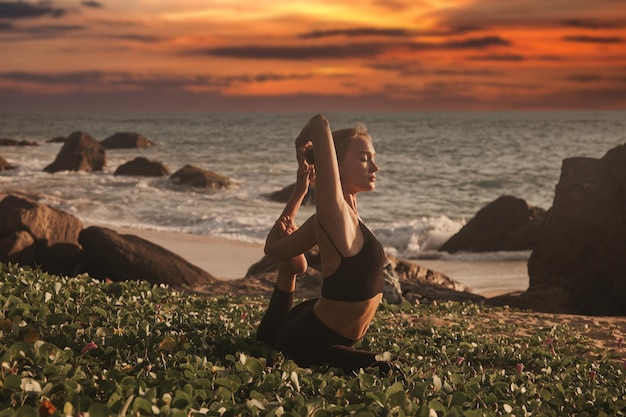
[436, 169]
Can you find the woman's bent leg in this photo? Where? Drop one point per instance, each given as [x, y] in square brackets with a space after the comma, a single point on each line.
[347, 358]
[307, 341]
[272, 322]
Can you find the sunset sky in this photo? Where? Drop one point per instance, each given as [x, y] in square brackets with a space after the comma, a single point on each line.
[312, 55]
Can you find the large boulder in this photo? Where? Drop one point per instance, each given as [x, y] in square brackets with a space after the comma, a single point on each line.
[18, 248]
[110, 255]
[582, 248]
[80, 152]
[283, 195]
[197, 177]
[15, 142]
[126, 140]
[54, 232]
[506, 224]
[141, 166]
[5, 165]
[57, 139]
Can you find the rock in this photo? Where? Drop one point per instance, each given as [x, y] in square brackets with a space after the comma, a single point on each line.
[57, 139]
[126, 140]
[108, 254]
[18, 248]
[197, 177]
[542, 299]
[80, 152]
[54, 232]
[506, 224]
[421, 285]
[4, 165]
[583, 242]
[282, 196]
[141, 166]
[403, 280]
[14, 142]
[392, 292]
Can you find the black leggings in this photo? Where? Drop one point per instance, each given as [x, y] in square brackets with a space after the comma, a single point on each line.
[302, 337]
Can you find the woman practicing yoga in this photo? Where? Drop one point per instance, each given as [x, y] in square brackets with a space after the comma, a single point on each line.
[324, 330]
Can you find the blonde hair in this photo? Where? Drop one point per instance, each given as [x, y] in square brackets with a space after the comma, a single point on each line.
[342, 138]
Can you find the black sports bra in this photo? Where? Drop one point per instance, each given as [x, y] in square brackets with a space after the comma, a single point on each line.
[358, 277]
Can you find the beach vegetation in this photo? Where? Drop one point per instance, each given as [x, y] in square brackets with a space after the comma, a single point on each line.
[72, 346]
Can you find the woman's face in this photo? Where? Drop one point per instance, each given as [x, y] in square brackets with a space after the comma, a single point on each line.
[357, 167]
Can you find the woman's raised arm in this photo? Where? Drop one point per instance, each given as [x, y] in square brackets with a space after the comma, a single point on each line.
[283, 241]
[332, 211]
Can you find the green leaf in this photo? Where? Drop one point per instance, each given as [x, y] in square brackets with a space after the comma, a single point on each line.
[226, 383]
[56, 319]
[26, 411]
[71, 386]
[98, 410]
[396, 387]
[436, 405]
[180, 400]
[141, 404]
[458, 398]
[254, 366]
[12, 382]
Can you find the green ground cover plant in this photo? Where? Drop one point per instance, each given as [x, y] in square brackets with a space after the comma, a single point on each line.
[78, 346]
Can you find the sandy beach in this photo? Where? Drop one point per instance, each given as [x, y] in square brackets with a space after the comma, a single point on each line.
[222, 258]
[229, 259]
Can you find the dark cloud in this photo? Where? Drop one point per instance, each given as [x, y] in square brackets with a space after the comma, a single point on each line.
[467, 72]
[356, 32]
[476, 43]
[355, 50]
[135, 37]
[21, 9]
[459, 30]
[594, 39]
[38, 32]
[409, 69]
[497, 57]
[391, 66]
[592, 24]
[584, 78]
[296, 52]
[118, 79]
[94, 4]
[25, 33]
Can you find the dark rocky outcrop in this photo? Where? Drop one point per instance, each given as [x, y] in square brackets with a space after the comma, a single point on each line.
[141, 166]
[582, 249]
[5, 165]
[54, 233]
[80, 152]
[110, 255]
[418, 284]
[197, 177]
[126, 140]
[506, 224]
[57, 139]
[282, 195]
[18, 248]
[15, 142]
